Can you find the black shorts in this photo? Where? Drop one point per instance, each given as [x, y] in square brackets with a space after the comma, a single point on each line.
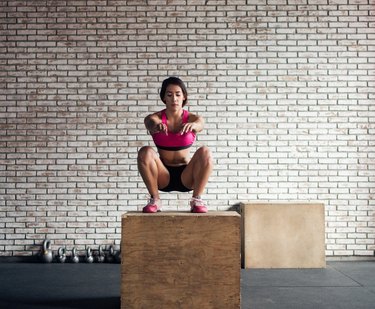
[175, 183]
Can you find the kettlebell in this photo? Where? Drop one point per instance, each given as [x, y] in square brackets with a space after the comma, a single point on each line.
[118, 256]
[46, 252]
[61, 255]
[89, 257]
[110, 255]
[75, 257]
[100, 257]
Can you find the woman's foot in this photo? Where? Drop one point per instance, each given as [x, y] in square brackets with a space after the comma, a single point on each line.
[153, 205]
[197, 205]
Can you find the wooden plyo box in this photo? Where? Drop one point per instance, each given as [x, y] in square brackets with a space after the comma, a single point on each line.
[283, 235]
[180, 260]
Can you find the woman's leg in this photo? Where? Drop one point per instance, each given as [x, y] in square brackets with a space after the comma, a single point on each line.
[198, 171]
[153, 172]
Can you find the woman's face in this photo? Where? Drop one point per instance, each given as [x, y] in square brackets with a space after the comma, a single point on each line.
[174, 97]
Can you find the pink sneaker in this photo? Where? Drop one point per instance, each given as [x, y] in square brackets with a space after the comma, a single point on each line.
[197, 205]
[153, 205]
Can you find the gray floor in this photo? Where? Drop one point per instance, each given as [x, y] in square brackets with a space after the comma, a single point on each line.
[342, 285]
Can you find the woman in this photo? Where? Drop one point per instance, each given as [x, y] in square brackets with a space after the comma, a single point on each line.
[174, 131]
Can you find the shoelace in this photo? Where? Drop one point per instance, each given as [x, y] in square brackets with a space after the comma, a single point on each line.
[153, 201]
[197, 202]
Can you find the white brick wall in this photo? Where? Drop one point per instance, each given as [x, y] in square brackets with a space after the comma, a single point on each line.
[286, 88]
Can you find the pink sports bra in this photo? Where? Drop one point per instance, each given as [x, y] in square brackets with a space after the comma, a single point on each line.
[174, 141]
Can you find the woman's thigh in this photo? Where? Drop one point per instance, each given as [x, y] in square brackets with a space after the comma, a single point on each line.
[187, 176]
[150, 155]
[163, 174]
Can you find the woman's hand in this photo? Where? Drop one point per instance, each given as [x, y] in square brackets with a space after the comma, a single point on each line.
[160, 127]
[153, 124]
[188, 127]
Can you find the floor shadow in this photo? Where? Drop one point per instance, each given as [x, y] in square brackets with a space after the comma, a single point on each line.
[79, 303]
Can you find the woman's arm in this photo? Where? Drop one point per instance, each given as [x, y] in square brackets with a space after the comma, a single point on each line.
[195, 124]
[153, 124]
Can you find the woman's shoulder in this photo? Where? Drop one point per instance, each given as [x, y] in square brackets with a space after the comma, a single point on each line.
[193, 116]
[156, 114]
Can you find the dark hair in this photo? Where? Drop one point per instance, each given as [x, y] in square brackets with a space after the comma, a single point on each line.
[173, 81]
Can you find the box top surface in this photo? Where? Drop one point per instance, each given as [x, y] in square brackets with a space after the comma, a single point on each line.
[281, 204]
[182, 214]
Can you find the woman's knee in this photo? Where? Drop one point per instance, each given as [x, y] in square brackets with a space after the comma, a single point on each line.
[205, 155]
[146, 154]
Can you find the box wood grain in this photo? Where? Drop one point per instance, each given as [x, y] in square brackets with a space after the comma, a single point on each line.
[283, 235]
[180, 260]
